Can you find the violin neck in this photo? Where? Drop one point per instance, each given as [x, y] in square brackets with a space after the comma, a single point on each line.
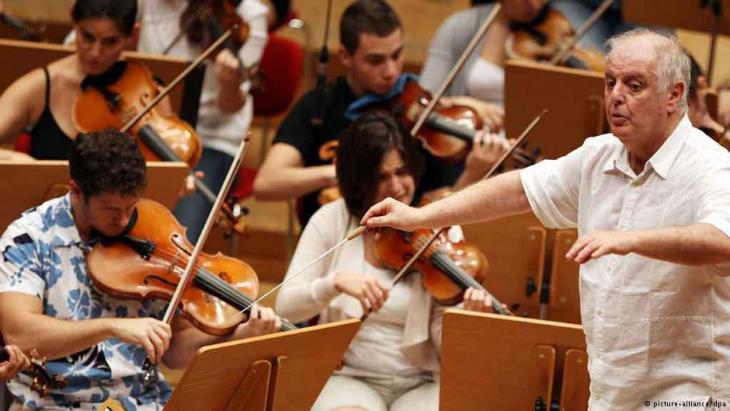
[213, 285]
[461, 278]
[448, 126]
[157, 145]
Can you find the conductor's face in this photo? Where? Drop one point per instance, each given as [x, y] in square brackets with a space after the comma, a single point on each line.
[636, 108]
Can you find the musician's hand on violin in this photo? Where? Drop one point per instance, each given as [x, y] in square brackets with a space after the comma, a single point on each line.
[152, 334]
[16, 362]
[228, 71]
[486, 150]
[370, 291]
[492, 115]
[189, 187]
[600, 243]
[261, 321]
[478, 300]
[392, 213]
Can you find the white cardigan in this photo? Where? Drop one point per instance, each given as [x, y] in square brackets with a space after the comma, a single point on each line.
[313, 292]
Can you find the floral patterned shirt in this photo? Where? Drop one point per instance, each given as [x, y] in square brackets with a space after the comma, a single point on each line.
[44, 256]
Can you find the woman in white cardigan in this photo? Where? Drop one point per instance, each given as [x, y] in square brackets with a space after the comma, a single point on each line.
[392, 360]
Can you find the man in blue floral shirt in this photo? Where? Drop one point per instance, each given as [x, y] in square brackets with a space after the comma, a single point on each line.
[48, 302]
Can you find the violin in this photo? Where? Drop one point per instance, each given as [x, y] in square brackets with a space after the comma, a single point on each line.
[546, 39]
[447, 132]
[448, 268]
[110, 100]
[203, 21]
[328, 152]
[41, 381]
[147, 261]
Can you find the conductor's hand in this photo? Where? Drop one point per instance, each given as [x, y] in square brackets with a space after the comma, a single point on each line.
[600, 243]
[152, 334]
[16, 362]
[261, 321]
[392, 213]
[370, 291]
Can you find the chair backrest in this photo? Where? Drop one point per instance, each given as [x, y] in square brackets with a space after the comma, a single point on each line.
[282, 65]
[22, 143]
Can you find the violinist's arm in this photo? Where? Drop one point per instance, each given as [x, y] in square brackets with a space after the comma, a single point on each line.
[233, 90]
[24, 324]
[21, 104]
[187, 340]
[283, 175]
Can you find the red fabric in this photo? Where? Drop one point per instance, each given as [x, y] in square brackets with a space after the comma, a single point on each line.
[282, 65]
[244, 183]
[22, 143]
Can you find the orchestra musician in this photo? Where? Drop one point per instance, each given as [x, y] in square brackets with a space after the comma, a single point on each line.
[47, 301]
[651, 202]
[371, 49]
[226, 105]
[391, 361]
[42, 100]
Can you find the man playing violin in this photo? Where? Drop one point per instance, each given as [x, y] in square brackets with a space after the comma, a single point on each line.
[300, 164]
[48, 302]
[651, 201]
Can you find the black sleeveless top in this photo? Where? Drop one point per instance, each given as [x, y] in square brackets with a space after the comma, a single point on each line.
[47, 140]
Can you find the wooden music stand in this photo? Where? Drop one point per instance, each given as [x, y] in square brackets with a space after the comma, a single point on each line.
[30, 183]
[493, 362]
[683, 14]
[27, 55]
[283, 371]
[574, 99]
[515, 249]
[676, 13]
[564, 302]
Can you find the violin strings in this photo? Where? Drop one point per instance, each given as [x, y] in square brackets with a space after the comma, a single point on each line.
[224, 290]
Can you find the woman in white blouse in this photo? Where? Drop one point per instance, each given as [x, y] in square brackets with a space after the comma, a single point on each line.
[226, 106]
[392, 360]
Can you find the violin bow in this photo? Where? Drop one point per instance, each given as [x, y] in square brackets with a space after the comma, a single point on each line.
[417, 126]
[562, 54]
[352, 235]
[189, 268]
[164, 92]
[496, 304]
[473, 43]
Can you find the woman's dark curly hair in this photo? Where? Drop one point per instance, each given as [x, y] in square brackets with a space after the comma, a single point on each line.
[361, 150]
[107, 162]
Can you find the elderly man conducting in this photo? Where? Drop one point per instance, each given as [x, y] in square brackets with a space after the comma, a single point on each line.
[651, 202]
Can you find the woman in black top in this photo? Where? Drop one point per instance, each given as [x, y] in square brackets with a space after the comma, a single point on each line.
[41, 101]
